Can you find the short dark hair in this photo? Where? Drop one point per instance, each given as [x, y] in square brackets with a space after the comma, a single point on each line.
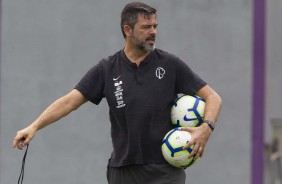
[130, 12]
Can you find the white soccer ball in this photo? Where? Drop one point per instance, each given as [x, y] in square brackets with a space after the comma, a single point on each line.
[188, 111]
[172, 148]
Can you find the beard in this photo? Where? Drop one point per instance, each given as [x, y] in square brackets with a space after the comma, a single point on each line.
[143, 45]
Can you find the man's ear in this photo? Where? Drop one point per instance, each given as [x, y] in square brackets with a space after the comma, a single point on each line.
[127, 30]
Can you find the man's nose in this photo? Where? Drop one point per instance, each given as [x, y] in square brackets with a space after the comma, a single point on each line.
[153, 30]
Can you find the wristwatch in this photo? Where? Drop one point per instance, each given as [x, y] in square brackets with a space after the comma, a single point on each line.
[210, 123]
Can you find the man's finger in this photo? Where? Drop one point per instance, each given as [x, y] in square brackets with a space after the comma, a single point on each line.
[199, 153]
[19, 142]
[16, 140]
[202, 154]
[188, 129]
[26, 141]
[189, 144]
[194, 151]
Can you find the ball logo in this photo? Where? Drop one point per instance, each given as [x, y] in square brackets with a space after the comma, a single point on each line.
[160, 72]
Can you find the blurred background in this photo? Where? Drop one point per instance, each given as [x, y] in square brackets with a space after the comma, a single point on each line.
[47, 46]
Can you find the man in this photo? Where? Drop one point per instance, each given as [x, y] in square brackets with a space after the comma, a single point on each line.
[140, 83]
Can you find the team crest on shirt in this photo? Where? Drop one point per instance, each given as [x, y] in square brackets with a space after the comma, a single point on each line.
[160, 72]
[118, 92]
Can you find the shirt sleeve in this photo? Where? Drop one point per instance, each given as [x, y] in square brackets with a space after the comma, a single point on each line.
[92, 84]
[187, 81]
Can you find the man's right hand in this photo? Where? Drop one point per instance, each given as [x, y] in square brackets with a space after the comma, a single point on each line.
[23, 137]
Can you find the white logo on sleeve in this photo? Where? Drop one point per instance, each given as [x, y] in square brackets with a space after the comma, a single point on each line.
[160, 72]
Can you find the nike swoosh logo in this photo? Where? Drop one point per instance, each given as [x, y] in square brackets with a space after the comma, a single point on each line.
[116, 78]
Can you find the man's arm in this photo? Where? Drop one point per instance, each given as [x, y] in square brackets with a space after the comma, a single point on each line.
[213, 103]
[57, 110]
[201, 134]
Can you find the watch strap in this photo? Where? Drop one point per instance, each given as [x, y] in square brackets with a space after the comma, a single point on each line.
[210, 123]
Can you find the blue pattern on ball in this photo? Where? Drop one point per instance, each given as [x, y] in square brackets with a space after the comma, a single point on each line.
[174, 150]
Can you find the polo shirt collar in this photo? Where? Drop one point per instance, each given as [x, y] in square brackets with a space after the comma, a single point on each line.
[143, 63]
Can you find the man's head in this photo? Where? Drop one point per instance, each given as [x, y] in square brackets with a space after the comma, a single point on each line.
[138, 24]
[130, 13]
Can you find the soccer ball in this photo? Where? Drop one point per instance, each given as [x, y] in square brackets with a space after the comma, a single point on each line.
[187, 111]
[172, 148]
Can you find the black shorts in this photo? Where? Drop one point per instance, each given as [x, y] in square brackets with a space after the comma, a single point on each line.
[146, 174]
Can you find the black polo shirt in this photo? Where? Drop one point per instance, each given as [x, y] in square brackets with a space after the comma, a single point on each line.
[139, 100]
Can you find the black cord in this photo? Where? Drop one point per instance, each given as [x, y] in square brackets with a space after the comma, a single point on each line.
[20, 181]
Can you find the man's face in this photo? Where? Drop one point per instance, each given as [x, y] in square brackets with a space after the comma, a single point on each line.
[144, 33]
